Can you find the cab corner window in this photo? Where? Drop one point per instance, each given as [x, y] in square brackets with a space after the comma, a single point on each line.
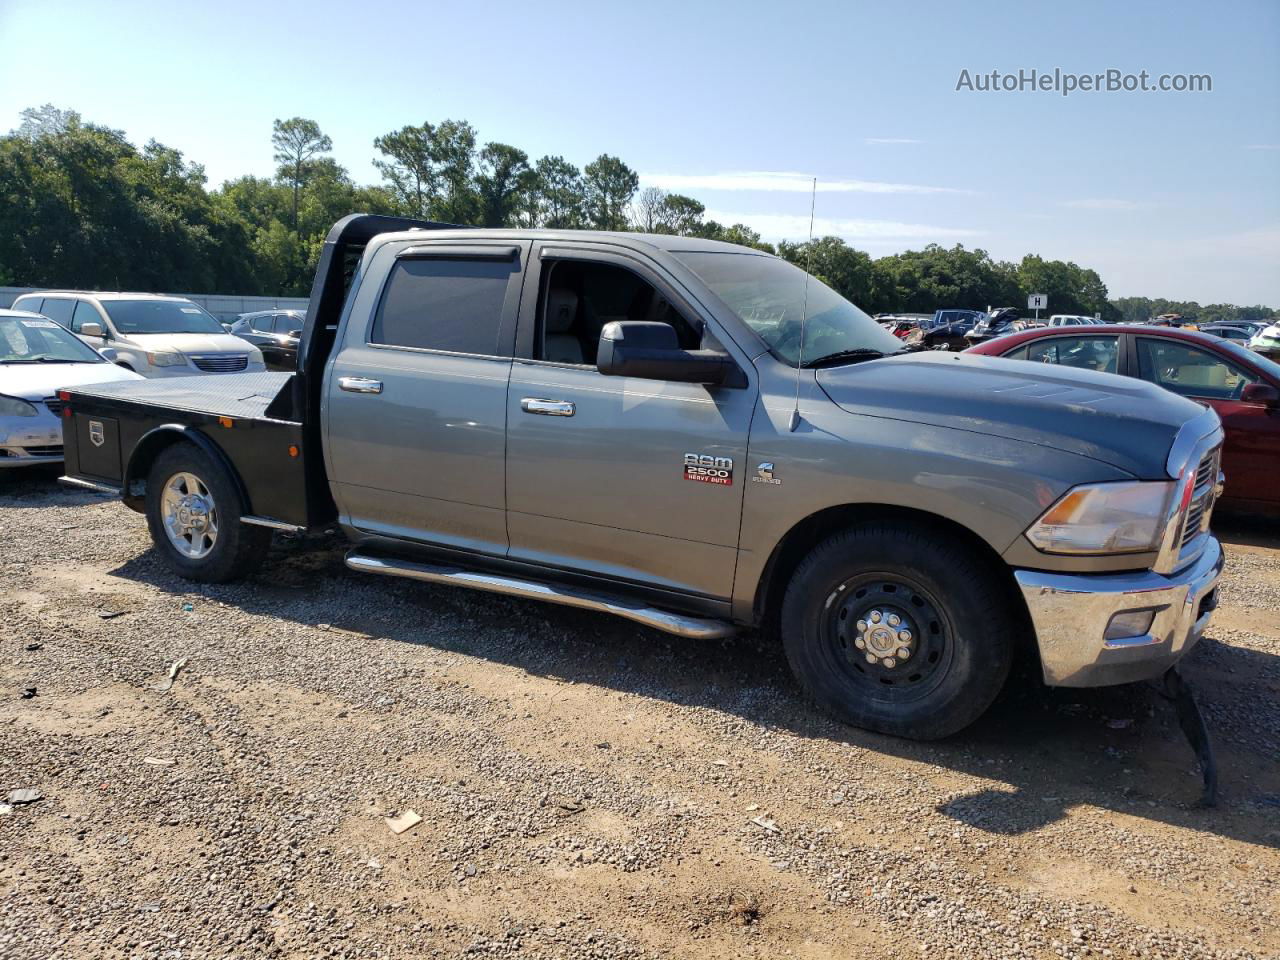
[453, 305]
[1190, 371]
[578, 298]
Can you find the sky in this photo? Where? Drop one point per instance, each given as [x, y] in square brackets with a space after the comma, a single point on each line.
[740, 104]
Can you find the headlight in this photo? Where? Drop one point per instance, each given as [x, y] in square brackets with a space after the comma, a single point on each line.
[1103, 518]
[255, 355]
[13, 407]
[165, 358]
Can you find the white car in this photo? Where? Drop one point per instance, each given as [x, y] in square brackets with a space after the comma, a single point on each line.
[1071, 320]
[37, 358]
[156, 336]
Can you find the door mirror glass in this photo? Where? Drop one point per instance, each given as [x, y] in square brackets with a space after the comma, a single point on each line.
[91, 330]
[1262, 393]
[651, 350]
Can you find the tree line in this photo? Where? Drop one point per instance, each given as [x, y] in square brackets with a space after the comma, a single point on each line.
[81, 206]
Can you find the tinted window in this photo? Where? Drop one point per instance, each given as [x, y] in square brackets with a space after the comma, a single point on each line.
[55, 308]
[286, 322]
[31, 305]
[1189, 370]
[442, 304]
[261, 323]
[1088, 353]
[84, 313]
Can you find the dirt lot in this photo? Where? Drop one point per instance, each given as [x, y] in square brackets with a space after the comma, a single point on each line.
[587, 787]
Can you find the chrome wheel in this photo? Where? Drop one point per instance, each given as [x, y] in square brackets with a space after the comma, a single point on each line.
[190, 516]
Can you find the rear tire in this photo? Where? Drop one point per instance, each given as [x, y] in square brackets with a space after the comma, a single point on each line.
[193, 512]
[938, 624]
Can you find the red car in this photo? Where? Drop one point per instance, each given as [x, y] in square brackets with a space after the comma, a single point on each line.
[1243, 386]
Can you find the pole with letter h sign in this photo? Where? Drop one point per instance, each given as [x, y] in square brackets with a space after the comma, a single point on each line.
[1038, 302]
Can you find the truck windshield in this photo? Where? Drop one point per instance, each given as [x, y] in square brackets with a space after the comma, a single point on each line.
[160, 316]
[768, 295]
[37, 340]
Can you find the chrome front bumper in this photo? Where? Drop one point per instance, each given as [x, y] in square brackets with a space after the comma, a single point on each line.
[1070, 613]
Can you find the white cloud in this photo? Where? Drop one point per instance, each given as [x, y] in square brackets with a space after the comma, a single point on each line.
[882, 140]
[785, 226]
[1100, 203]
[771, 181]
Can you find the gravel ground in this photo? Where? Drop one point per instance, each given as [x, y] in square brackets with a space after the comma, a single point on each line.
[587, 788]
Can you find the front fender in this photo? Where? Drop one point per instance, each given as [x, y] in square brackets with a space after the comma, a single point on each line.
[993, 487]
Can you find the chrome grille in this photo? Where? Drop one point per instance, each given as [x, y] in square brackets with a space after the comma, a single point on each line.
[54, 405]
[221, 362]
[1201, 506]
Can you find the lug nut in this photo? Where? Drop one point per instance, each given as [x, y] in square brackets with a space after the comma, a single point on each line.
[894, 619]
[904, 636]
[903, 653]
[871, 658]
[862, 626]
[860, 644]
[875, 616]
[890, 662]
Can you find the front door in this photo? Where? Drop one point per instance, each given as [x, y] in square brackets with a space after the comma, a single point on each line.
[637, 480]
[1251, 444]
[415, 396]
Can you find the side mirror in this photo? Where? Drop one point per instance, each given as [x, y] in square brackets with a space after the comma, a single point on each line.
[1262, 393]
[641, 348]
[91, 330]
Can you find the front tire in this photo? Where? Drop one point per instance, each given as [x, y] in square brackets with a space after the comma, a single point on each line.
[193, 513]
[899, 631]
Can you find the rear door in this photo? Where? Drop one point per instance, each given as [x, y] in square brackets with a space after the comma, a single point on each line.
[414, 407]
[599, 468]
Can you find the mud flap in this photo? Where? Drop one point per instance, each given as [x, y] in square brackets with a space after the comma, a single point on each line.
[1175, 688]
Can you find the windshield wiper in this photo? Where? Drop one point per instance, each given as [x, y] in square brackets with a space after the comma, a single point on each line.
[856, 355]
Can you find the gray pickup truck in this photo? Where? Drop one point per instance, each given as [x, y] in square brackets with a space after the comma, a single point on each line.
[701, 438]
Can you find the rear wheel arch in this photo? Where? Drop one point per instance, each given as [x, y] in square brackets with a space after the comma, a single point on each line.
[154, 443]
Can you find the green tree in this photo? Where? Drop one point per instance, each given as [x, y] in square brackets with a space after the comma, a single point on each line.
[297, 142]
[453, 151]
[410, 167]
[502, 182]
[561, 194]
[844, 269]
[609, 186]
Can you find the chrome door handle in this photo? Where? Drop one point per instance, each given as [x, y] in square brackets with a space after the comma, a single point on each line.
[359, 385]
[548, 408]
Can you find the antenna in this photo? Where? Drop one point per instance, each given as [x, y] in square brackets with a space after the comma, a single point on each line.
[804, 312]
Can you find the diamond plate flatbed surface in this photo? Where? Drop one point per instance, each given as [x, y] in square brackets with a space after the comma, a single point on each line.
[242, 395]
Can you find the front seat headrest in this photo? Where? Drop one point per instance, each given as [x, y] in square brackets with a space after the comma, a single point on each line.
[562, 311]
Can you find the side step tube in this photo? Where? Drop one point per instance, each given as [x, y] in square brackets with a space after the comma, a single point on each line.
[691, 627]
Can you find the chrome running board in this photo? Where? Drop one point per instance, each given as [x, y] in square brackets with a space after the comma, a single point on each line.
[695, 628]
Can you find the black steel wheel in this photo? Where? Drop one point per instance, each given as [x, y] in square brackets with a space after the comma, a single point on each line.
[900, 630]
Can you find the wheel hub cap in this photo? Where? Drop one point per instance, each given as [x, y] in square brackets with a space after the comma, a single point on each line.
[190, 515]
[885, 636]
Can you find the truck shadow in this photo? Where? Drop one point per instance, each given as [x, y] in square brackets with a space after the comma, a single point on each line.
[1042, 750]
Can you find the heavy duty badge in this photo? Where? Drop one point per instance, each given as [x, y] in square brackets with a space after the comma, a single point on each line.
[96, 436]
[708, 469]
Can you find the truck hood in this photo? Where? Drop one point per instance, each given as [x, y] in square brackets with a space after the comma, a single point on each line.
[35, 381]
[189, 343]
[1121, 421]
